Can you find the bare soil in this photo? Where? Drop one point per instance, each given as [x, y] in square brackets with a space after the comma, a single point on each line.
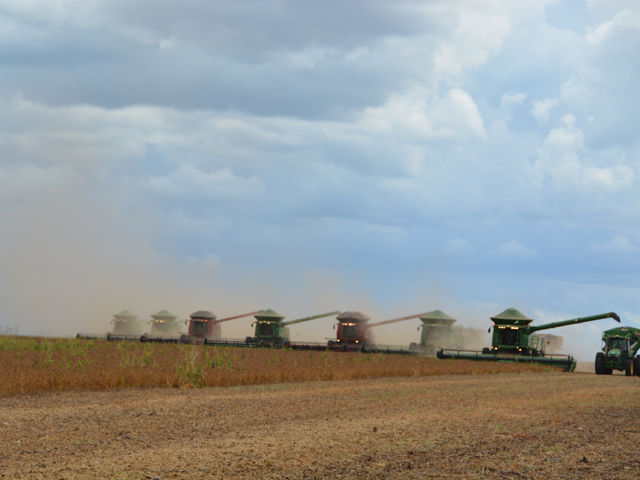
[531, 426]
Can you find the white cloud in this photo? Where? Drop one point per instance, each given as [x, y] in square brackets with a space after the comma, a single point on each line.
[574, 91]
[515, 249]
[511, 100]
[458, 246]
[617, 244]
[453, 116]
[624, 19]
[561, 163]
[541, 109]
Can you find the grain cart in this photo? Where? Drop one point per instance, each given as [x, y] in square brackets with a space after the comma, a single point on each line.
[619, 352]
[438, 331]
[354, 329]
[513, 341]
[204, 324]
[270, 330]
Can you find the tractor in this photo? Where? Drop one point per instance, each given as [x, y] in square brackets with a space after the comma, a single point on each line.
[619, 352]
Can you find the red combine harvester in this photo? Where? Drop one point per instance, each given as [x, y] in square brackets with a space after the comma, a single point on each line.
[204, 324]
[355, 331]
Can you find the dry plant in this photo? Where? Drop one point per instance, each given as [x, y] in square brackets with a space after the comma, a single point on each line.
[30, 365]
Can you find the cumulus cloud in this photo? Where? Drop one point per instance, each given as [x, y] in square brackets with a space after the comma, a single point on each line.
[237, 139]
[624, 19]
[561, 163]
[511, 100]
[541, 109]
[453, 116]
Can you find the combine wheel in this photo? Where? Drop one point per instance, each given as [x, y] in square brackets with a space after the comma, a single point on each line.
[600, 363]
[636, 366]
[248, 340]
[486, 351]
[331, 343]
[413, 346]
[628, 367]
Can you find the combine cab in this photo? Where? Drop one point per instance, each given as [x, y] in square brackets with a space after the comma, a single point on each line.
[270, 330]
[513, 341]
[619, 352]
[204, 324]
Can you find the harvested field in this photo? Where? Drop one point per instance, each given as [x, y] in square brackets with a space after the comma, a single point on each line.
[30, 365]
[529, 426]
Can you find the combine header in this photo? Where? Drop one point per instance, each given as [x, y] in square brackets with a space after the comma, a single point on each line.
[619, 352]
[513, 341]
[204, 324]
[355, 331]
[270, 330]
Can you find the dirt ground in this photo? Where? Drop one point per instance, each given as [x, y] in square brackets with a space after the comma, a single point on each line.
[535, 426]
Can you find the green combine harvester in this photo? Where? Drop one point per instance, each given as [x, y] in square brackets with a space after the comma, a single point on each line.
[514, 341]
[619, 352]
[271, 330]
[125, 325]
[438, 331]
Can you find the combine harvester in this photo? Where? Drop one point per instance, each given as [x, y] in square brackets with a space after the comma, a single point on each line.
[619, 352]
[437, 332]
[204, 324]
[165, 327]
[125, 326]
[271, 331]
[354, 334]
[513, 341]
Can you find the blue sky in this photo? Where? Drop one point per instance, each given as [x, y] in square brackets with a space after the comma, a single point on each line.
[389, 157]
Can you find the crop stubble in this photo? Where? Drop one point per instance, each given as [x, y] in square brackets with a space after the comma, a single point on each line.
[531, 426]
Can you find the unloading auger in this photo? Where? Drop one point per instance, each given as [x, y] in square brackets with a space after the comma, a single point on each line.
[271, 330]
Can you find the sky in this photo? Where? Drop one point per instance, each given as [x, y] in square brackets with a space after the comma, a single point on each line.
[387, 157]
